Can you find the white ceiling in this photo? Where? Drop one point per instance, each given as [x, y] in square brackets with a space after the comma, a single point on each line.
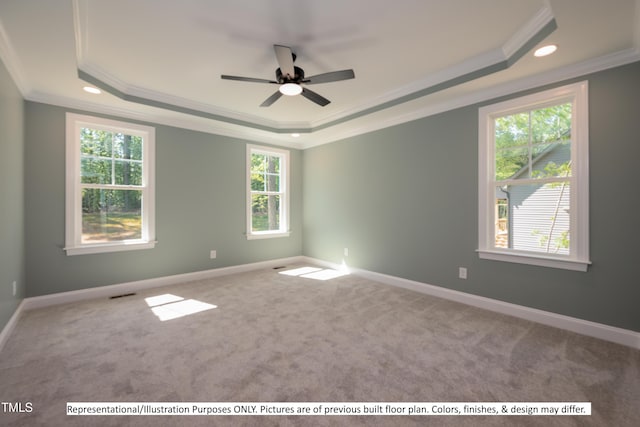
[161, 60]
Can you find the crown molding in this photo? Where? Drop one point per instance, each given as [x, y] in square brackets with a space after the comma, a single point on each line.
[581, 69]
[356, 128]
[80, 28]
[102, 79]
[528, 31]
[242, 132]
[160, 116]
[439, 77]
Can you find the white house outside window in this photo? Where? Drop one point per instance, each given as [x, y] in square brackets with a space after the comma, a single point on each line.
[533, 182]
[109, 185]
[267, 192]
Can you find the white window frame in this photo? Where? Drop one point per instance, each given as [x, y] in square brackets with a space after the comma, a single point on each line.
[578, 257]
[73, 216]
[283, 231]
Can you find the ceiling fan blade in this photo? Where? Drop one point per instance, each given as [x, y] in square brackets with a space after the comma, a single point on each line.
[247, 79]
[285, 59]
[333, 76]
[312, 96]
[270, 100]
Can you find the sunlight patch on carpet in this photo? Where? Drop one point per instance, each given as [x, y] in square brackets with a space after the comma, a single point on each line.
[300, 271]
[315, 273]
[169, 306]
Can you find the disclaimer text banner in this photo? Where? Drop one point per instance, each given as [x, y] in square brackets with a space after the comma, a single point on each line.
[330, 408]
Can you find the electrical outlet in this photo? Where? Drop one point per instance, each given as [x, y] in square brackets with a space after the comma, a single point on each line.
[213, 254]
[462, 272]
[346, 251]
[14, 287]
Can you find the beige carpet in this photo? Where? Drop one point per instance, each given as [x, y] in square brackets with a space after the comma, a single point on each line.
[279, 338]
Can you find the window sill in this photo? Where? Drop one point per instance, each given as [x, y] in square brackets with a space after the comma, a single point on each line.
[267, 235]
[110, 247]
[539, 260]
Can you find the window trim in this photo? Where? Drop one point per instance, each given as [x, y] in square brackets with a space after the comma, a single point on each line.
[284, 230]
[578, 258]
[73, 194]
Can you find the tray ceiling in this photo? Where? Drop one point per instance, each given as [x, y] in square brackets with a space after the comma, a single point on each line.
[161, 61]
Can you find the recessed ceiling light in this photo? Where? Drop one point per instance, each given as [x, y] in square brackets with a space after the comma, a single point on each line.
[290, 89]
[545, 50]
[91, 89]
[295, 135]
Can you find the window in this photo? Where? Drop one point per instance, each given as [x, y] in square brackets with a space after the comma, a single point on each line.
[109, 185]
[267, 192]
[533, 179]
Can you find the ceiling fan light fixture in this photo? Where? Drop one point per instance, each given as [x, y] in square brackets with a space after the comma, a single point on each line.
[290, 89]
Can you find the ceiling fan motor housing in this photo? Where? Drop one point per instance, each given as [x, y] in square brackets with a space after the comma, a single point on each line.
[299, 75]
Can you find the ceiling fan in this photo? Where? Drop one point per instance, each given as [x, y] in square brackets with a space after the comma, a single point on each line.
[290, 78]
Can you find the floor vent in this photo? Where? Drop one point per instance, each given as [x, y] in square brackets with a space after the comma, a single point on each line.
[123, 295]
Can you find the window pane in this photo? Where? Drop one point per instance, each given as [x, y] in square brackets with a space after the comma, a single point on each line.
[95, 170]
[95, 142]
[536, 217]
[501, 226]
[257, 182]
[127, 147]
[128, 172]
[512, 131]
[552, 161]
[534, 144]
[273, 164]
[265, 173]
[273, 182]
[551, 124]
[136, 147]
[111, 215]
[512, 163]
[265, 212]
[258, 162]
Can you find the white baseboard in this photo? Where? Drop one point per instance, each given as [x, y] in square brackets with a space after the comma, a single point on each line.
[585, 327]
[139, 285]
[8, 329]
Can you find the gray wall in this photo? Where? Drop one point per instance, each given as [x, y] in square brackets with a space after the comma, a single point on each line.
[12, 253]
[200, 205]
[404, 200]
